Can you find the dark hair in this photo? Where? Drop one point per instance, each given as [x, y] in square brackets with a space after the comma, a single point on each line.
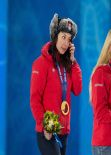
[64, 59]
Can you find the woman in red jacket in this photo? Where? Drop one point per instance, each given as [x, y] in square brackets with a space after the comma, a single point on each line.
[54, 75]
[100, 95]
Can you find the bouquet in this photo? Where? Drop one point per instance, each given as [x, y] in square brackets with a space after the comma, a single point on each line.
[51, 123]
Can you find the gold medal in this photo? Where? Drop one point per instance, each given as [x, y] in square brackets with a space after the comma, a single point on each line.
[65, 108]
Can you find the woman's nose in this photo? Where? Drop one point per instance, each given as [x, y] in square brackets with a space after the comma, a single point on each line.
[66, 43]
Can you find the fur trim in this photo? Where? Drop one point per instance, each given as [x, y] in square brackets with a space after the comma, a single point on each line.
[65, 25]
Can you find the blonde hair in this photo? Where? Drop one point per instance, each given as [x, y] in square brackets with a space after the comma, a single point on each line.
[104, 57]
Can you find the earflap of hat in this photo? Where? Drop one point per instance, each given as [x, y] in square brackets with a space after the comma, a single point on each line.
[54, 25]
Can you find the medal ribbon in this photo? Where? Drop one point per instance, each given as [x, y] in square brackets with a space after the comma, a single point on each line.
[63, 82]
[64, 90]
[57, 139]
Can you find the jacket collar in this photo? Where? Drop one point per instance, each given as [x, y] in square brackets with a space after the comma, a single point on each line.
[45, 50]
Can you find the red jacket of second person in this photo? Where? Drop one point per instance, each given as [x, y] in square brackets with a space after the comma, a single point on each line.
[101, 102]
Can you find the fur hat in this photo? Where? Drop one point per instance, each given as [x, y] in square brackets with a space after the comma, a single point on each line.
[64, 25]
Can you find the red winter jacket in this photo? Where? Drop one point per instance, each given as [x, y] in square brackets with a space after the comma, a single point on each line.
[46, 91]
[101, 102]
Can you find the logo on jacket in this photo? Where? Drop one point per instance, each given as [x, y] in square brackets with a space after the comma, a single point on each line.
[35, 72]
[99, 85]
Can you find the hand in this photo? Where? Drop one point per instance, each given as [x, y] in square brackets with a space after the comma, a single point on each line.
[72, 50]
[47, 135]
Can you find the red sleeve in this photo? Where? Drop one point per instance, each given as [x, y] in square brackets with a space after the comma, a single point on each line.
[102, 113]
[76, 79]
[38, 81]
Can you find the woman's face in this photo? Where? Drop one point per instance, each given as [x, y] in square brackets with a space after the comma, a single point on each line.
[63, 42]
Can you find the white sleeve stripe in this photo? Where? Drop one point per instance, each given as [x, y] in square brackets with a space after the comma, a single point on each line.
[98, 85]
